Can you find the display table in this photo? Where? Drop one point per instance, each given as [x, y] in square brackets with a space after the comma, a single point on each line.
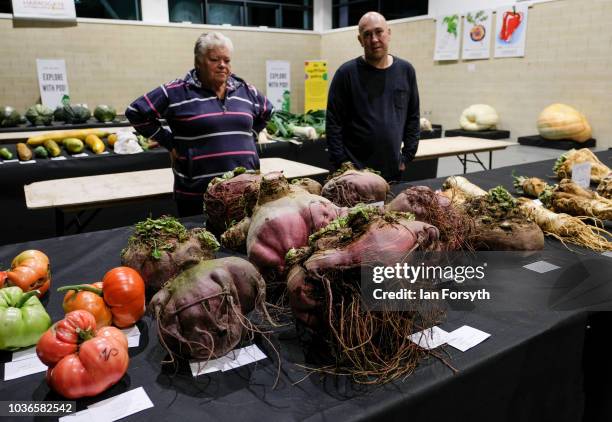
[484, 134]
[76, 194]
[538, 141]
[531, 368]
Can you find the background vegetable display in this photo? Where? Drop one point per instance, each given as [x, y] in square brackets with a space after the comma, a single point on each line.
[30, 270]
[230, 198]
[161, 248]
[563, 165]
[323, 282]
[310, 125]
[23, 318]
[73, 114]
[479, 117]
[348, 186]
[201, 313]
[104, 113]
[9, 117]
[118, 299]
[39, 115]
[560, 121]
[83, 360]
[23, 152]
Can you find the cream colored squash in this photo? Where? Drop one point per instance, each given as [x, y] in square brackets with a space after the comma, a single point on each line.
[560, 121]
[425, 125]
[479, 117]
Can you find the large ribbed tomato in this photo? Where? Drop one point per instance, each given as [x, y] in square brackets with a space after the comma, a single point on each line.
[119, 297]
[82, 361]
[30, 271]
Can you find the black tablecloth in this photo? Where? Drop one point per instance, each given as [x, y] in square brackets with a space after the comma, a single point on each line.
[484, 134]
[538, 141]
[531, 368]
[92, 123]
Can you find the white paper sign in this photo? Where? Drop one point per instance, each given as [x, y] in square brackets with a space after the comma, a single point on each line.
[233, 359]
[511, 31]
[28, 353]
[114, 408]
[430, 338]
[28, 162]
[608, 254]
[466, 337]
[52, 81]
[133, 336]
[83, 154]
[58, 158]
[477, 35]
[278, 83]
[581, 174]
[541, 267]
[23, 367]
[537, 202]
[62, 10]
[447, 37]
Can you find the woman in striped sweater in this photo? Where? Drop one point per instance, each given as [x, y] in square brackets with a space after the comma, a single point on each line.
[213, 117]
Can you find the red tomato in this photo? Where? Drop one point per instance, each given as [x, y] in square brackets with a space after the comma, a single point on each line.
[82, 361]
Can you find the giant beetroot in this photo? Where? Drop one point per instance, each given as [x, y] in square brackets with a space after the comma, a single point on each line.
[324, 291]
[201, 312]
[348, 187]
[436, 209]
[230, 198]
[160, 248]
[284, 217]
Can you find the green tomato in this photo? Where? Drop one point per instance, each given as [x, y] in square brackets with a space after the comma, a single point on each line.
[23, 319]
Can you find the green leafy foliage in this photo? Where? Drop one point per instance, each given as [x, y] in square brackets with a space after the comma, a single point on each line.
[282, 123]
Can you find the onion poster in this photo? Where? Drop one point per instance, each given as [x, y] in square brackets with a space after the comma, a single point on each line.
[477, 35]
[511, 31]
[447, 37]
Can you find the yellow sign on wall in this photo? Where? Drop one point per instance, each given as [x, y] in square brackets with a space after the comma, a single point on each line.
[315, 85]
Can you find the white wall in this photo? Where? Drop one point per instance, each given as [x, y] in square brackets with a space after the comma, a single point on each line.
[155, 11]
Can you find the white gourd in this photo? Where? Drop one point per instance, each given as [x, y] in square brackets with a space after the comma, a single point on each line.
[479, 117]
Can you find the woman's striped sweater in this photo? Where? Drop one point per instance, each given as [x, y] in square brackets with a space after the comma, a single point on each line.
[209, 135]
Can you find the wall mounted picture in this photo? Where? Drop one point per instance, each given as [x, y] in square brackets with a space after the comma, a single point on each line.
[477, 35]
[511, 31]
[447, 37]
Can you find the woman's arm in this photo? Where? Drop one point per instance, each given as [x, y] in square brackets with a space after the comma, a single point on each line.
[145, 114]
[263, 109]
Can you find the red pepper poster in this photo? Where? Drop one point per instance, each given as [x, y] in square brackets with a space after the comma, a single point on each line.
[511, 31]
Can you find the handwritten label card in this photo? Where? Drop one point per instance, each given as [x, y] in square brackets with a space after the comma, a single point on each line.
[581, 174]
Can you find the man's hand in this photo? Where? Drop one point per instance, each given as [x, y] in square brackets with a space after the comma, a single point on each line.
[402, 166]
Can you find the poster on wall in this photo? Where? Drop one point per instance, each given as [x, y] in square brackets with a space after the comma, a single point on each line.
[62, 10]
[447, 37]
[278, 84]
[511, 31]
[52, 81]
[477, 35]
[315, 85]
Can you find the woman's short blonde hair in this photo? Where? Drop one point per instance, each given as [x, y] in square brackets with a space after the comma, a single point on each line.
[209, 40]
